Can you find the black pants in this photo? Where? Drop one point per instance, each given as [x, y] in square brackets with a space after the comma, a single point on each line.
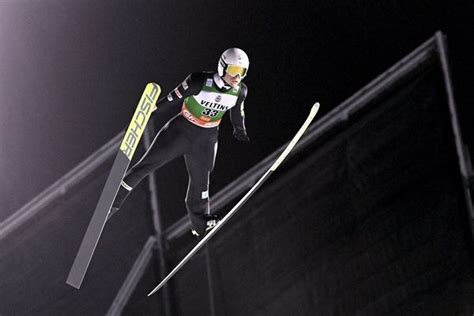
[199, 147]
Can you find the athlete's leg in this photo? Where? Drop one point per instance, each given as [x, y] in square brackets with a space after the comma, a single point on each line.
[200, 163]
[168, 144]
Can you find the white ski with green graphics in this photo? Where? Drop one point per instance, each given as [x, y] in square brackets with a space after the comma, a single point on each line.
[129, 144]
[284, 154]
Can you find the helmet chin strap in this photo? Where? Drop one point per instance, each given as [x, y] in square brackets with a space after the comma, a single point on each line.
[221, 82]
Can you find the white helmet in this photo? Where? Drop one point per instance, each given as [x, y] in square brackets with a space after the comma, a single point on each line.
[235, 57]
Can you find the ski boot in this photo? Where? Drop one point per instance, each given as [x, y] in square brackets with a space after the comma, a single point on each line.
[212, 221]
[112, 211]
[202, 224]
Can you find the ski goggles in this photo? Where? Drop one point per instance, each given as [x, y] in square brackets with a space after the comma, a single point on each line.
[235, 70]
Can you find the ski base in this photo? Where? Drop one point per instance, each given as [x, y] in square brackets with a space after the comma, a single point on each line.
[146, 106]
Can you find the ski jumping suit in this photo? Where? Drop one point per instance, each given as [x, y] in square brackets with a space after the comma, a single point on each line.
[196, 108]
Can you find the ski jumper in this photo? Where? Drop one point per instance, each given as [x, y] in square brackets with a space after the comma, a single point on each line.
[191, 114]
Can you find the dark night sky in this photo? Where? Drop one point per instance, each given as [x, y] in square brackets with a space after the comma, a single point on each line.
[71, 72]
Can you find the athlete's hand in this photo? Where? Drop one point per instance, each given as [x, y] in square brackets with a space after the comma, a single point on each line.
[241, 135]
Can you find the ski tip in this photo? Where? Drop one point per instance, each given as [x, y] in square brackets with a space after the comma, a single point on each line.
[153, 83]
[151, 293]
[153, 86]
[314, 109]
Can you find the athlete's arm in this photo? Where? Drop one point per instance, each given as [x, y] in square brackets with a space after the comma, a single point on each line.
[190, 86]
[170, 105]
[237, 115]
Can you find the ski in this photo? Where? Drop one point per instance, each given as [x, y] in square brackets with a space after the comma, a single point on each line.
[129, 144]
[284, 154]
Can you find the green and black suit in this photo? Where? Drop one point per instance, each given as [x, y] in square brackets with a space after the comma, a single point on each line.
[192, 113]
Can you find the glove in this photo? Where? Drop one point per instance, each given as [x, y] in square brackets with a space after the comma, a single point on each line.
[241, 135]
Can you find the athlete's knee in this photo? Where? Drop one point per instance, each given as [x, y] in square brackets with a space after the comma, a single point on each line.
[137, 173]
